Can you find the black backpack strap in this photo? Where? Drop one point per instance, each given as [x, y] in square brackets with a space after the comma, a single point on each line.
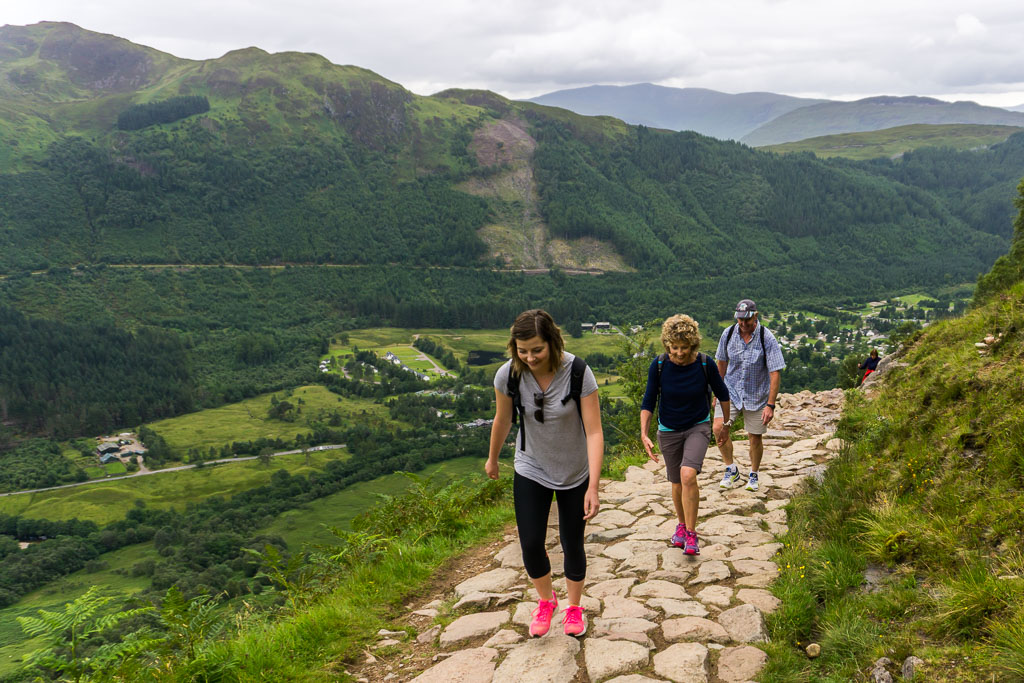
[728, 337]
[662, 357]
[704, 360]
[512, 389]
[764, 351]
[579, 369]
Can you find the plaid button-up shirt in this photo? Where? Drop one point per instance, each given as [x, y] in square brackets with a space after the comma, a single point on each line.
[746, 377]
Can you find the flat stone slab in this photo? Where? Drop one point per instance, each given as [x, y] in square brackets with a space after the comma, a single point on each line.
[466, 666]
[756, 580]
[719, 596]
[613, 518]
[659, 589]
[624, 625]
[693, 628]
[551, 659]
[755, 567]
[616, 607]
[640, 562]
[511, 556]
[494, 581]
[745, 624]
[633, 678]
[604, 589]
[605, 657]
[755, 552]
[628, 549]
[711, 572]
[717, 527]
[679, 608]
[761, 599]
[473, 626]
[608, 535]
[683, 663]
[504, 638]
[737, 664]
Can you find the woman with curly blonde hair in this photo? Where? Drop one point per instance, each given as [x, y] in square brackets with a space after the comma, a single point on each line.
[680, 383]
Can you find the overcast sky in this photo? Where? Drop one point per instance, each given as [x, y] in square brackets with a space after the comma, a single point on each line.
[521, 48]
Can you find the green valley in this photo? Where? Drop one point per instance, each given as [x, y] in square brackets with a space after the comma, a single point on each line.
[894, 142]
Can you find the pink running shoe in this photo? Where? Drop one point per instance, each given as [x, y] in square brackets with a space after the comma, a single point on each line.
[691, 547]
[542, 616]
[573, 622]
[679, 537]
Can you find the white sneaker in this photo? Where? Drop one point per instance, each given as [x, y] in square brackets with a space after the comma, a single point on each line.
[730, 478]
[751, 482]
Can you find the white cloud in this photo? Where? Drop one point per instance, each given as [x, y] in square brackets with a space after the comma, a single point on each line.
[526, 47]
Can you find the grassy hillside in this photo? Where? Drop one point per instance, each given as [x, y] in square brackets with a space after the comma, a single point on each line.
[929, 498]
[874, 113]
[894, 142]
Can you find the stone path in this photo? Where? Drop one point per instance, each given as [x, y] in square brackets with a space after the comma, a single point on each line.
[654, 613]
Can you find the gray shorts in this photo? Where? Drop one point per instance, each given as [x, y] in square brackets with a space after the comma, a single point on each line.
[751, 419]
[684, 449]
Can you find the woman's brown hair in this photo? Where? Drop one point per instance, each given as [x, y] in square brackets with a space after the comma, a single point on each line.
[536, 323]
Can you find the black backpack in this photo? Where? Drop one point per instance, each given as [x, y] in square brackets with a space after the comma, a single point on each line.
[704, 360]
[579, 367]
[764, 351]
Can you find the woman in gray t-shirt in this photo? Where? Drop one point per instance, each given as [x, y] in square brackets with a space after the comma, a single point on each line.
[559, 452]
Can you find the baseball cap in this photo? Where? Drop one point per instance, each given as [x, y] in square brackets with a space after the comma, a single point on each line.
[745, 309]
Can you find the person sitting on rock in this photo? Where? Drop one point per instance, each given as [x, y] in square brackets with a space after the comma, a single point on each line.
[869, 365]
[560, 448]
[680, 382]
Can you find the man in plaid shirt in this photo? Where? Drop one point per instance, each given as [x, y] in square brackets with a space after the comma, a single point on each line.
[750, 360]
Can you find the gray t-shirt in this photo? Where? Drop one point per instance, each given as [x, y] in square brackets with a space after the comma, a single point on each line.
[556, 450]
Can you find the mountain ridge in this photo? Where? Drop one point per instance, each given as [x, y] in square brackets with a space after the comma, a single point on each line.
[299, 160]
[874, 113]
[709, 112]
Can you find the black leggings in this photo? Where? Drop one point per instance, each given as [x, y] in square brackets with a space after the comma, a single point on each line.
[533, 503]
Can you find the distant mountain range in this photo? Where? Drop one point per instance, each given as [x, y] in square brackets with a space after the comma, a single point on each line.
[267, 159]
[763, 118]
[718, 114]
[874, 113]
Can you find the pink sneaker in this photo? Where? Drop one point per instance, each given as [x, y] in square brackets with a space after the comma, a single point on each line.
[679, 537]
[542, 616]
[692, 547]
[573, 621]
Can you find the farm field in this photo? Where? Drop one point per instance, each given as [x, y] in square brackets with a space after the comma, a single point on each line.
[308, 525]
[104, 502]
[247, 420]
[461, 342]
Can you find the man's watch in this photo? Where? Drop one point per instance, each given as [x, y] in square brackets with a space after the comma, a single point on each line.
[770, 405]
[729, 423]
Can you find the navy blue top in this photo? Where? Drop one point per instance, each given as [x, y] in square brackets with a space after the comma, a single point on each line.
[683, 402]
[869, 364]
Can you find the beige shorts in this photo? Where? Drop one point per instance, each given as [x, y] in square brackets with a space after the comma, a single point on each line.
[751, 419]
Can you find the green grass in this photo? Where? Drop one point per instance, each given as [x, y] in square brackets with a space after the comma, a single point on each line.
[248, 421]
[930, 492]
[892, 142]
[307, 525]
[313, 644]
[115, 468]
[106, 501]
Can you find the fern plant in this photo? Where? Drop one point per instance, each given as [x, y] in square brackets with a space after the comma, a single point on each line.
[67, 632]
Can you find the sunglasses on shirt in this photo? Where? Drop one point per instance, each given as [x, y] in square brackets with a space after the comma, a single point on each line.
[538, 414]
